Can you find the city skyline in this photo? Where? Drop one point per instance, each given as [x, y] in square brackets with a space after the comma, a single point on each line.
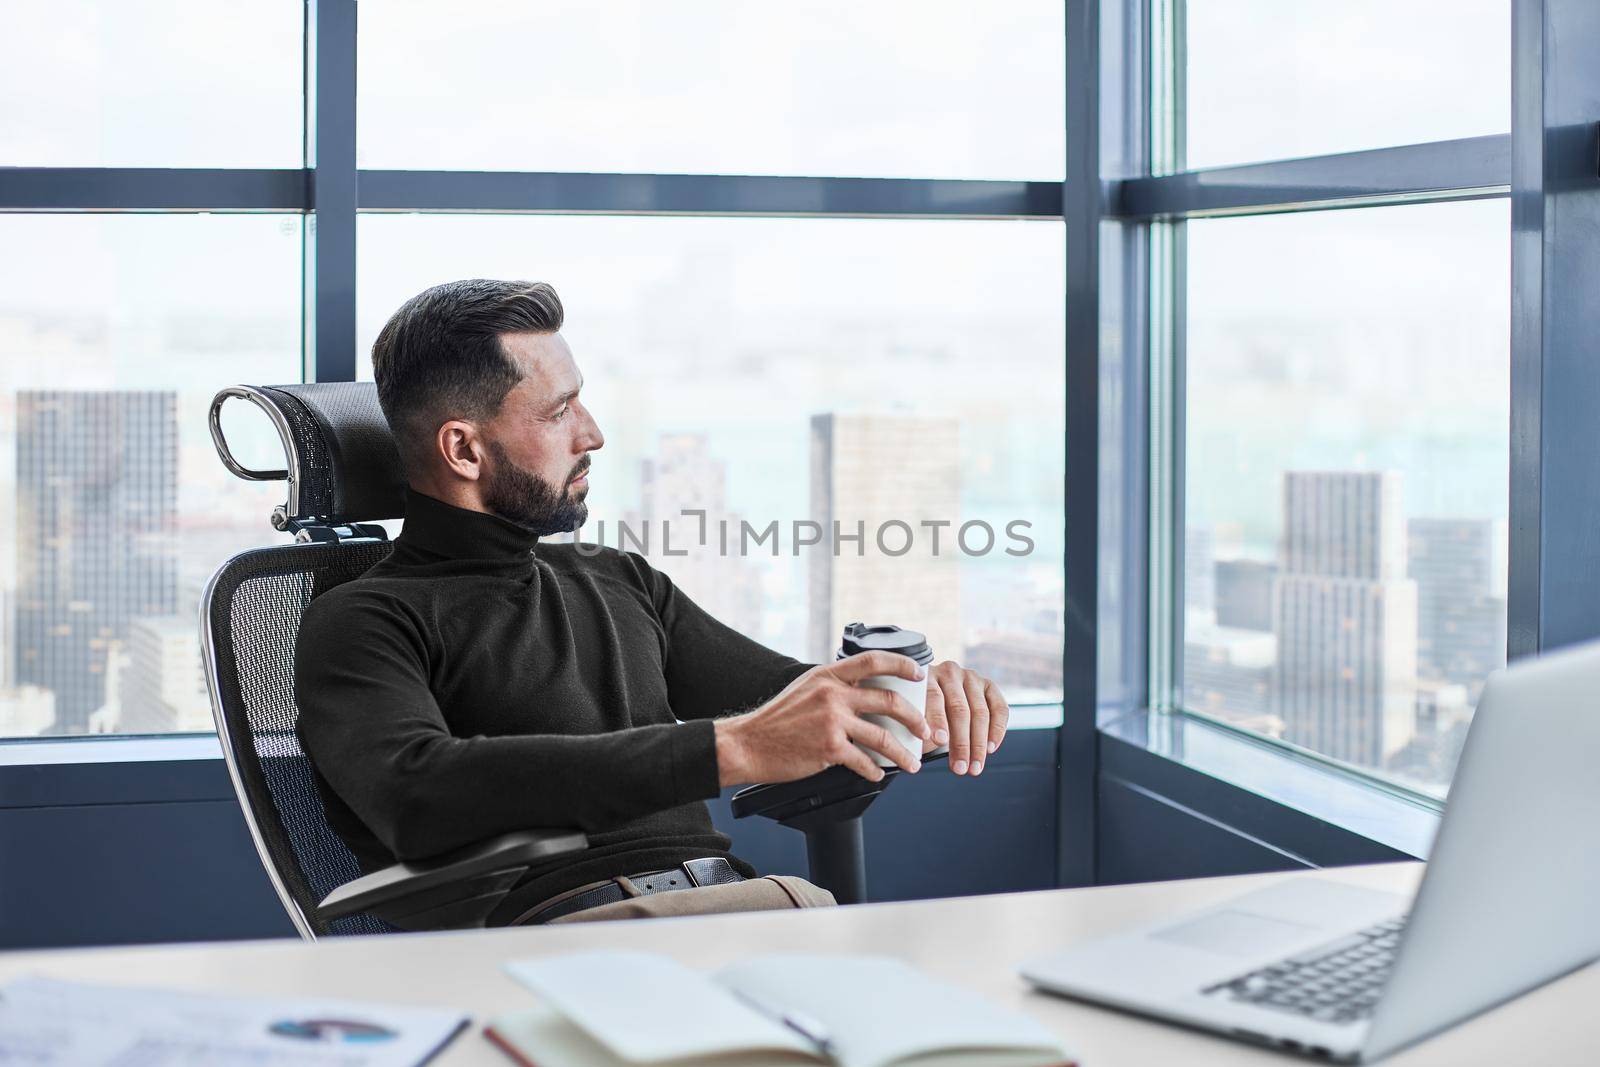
[903, 346]
[1367, 640]
[96, 500]
[1016, 640]
[149, 678]
[684, 476]
[767, 350]
[1437, 697]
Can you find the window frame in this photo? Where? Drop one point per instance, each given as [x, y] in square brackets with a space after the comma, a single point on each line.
[1546, 159]
[1124, 203]
[1472, 168]
[1147, 196]
[330, 191]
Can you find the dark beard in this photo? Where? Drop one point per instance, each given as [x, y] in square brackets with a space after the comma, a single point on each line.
[529, 501]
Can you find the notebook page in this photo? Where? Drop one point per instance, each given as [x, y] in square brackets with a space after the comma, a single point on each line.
[878, 1010]
[543, 1036]
[646, 1008]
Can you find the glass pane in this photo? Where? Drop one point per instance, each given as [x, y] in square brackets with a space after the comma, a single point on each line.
[750, 367]
[899, 89]
[1347, 477]
[151, 83]
[115, 332]
[1272, 80]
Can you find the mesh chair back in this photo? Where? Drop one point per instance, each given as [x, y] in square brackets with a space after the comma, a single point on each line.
[250, 617]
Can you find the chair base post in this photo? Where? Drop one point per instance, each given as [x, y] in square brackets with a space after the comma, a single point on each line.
[835, 849]
[837, 857]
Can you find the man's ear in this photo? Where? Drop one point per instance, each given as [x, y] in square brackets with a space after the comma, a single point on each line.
[461, 449]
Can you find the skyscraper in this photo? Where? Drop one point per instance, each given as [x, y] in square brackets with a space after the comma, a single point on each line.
[1244, 593]
[8, 624]
[1345, 616]
[97, 486]
[1441, 706]
[26, 712]
[1227, 673]
[1459, 568]
[872, 470]
[1199, 569]
[164, 684]
[684, 476]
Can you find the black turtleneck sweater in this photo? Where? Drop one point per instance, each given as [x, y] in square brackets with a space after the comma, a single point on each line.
[477, 682]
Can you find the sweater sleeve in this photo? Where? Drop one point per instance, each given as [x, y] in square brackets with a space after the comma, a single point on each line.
[371, 726]
[712, 669]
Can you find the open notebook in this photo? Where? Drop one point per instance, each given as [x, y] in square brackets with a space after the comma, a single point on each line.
[617, 1009]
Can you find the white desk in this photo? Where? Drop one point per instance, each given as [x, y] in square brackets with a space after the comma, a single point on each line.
[973, 941]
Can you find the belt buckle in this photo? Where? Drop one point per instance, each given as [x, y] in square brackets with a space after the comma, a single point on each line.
[711, 870]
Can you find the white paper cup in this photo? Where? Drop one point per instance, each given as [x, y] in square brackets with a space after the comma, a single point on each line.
[916, 694]
[859, 638]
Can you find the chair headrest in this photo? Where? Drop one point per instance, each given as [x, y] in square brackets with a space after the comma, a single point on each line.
[342, 465]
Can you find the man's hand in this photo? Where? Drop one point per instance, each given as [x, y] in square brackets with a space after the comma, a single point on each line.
[816, 722]
[966, 711]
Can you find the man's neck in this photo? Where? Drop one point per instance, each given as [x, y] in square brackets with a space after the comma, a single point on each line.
[442, 529]
[455, 492]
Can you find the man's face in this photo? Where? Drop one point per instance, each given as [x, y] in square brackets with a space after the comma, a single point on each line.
[540, 439]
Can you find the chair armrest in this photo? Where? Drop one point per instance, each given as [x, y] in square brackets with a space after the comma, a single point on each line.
[827, 807]
[783, 800]
[456, 889]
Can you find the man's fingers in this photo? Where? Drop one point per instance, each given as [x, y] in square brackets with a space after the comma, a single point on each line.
[880, 740]
[958, 716]
[865, 701]
[978, 707]
[858, 761]
[999, 714]
[938, 727]
[852, 669]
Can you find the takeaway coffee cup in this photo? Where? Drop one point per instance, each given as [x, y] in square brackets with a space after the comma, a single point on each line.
[859, 637]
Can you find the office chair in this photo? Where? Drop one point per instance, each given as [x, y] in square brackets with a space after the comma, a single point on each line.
[343, 475]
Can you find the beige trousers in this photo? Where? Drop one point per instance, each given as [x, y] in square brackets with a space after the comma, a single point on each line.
[775, 892]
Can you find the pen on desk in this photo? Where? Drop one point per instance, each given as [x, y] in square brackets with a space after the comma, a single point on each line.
[802, 1024]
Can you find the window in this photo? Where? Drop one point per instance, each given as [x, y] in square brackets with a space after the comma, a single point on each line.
[746, 367]
[1302, 436]
[1273, 80]
[117, 326]
[151, 83]
[1330, 384]
[1346, 465]
[115, 332]
[898, 89]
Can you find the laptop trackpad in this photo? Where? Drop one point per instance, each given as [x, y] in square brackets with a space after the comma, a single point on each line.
[1234, 933]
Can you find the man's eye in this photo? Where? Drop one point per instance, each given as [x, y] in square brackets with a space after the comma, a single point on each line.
[563, 412]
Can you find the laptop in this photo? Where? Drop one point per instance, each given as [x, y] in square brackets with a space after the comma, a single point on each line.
[1348, 974]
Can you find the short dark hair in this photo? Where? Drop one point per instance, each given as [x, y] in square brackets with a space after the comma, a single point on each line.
[439, 357]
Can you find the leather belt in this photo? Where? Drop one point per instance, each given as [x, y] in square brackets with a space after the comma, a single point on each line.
[691, 875]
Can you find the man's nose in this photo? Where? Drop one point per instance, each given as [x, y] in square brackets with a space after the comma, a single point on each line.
[592, 437]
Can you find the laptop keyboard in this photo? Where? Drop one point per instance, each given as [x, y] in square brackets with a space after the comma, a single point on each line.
[1338, 982]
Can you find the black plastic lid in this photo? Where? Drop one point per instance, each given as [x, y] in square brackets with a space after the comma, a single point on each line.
[859, 637]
